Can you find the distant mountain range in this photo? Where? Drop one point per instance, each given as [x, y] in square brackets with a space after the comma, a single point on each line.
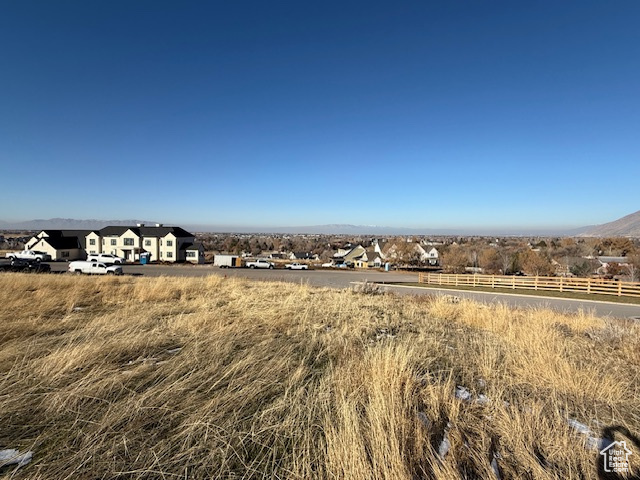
[628, 226]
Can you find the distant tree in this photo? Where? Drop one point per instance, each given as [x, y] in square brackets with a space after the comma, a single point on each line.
[614, 269]
[489, 261]
[633, 267]
[535, 263]
[615, 246]
[506, 261]
[584, 267]
[455, 259]
[414, 257]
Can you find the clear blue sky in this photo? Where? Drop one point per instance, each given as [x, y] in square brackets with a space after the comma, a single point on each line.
[285, 113]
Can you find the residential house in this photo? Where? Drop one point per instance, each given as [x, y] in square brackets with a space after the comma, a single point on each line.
[606, 262]
[353, 254]
[369, 259]
[407, 252]
[60, 244]
[164, 244]
[194, 253]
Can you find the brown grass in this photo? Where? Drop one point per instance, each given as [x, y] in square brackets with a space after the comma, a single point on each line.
[274, 380]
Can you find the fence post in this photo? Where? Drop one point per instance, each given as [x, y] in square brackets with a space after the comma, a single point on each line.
[535, 285]
[588, 285]
[493, 281]
[513, 283]
[619, 288]
[561, 283]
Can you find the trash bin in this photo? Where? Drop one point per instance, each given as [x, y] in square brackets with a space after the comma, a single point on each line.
[144, 258]
[387, 267]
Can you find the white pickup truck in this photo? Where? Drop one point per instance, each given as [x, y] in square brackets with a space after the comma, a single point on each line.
[260, 263]
[29, 255]
[94, 268]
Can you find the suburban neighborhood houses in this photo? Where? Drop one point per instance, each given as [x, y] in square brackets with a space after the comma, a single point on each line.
[563, 257]
[160, 243]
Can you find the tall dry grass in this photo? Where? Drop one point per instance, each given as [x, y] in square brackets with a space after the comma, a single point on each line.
[224, 378]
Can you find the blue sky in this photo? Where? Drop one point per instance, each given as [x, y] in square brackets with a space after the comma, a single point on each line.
[407, 114]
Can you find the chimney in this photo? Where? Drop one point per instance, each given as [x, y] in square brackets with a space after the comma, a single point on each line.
[140, 224]
[158, 224]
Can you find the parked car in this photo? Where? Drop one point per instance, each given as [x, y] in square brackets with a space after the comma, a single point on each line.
[296, 266]
[27, 266]
[105, 258]
[260, 263]
[328, 264]
[94, 268]
[29, 255]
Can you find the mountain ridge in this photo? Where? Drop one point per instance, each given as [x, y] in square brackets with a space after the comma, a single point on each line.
[627, 226]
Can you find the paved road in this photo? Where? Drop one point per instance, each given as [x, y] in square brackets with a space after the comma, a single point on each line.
[343, 279]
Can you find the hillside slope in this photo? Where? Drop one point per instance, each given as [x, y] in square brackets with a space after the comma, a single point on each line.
[628, 226]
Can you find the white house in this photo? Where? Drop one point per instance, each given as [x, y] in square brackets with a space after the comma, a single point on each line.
[406, 251]
[194, 253]
[164, 244]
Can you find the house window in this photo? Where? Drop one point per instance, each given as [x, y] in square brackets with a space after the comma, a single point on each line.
[169, 243]
[128, 242]
[113, 241]
[169, 254]
[191, 254]
[147, 243]
[92, 241]
[65, 254]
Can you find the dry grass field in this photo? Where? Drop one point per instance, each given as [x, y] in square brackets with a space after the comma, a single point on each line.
[180, 378]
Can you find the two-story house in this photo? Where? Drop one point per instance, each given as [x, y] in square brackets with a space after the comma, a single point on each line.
[164, 244]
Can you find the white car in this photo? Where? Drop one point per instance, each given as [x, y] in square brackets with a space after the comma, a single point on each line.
[328, 264]
[105, 258]
[296, 266]
[261, 263]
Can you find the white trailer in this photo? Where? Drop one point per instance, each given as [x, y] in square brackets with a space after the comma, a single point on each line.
[222, 260]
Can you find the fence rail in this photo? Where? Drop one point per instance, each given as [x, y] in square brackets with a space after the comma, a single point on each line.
[555, 284]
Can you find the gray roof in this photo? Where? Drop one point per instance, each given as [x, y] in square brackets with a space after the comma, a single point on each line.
[613, 259]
